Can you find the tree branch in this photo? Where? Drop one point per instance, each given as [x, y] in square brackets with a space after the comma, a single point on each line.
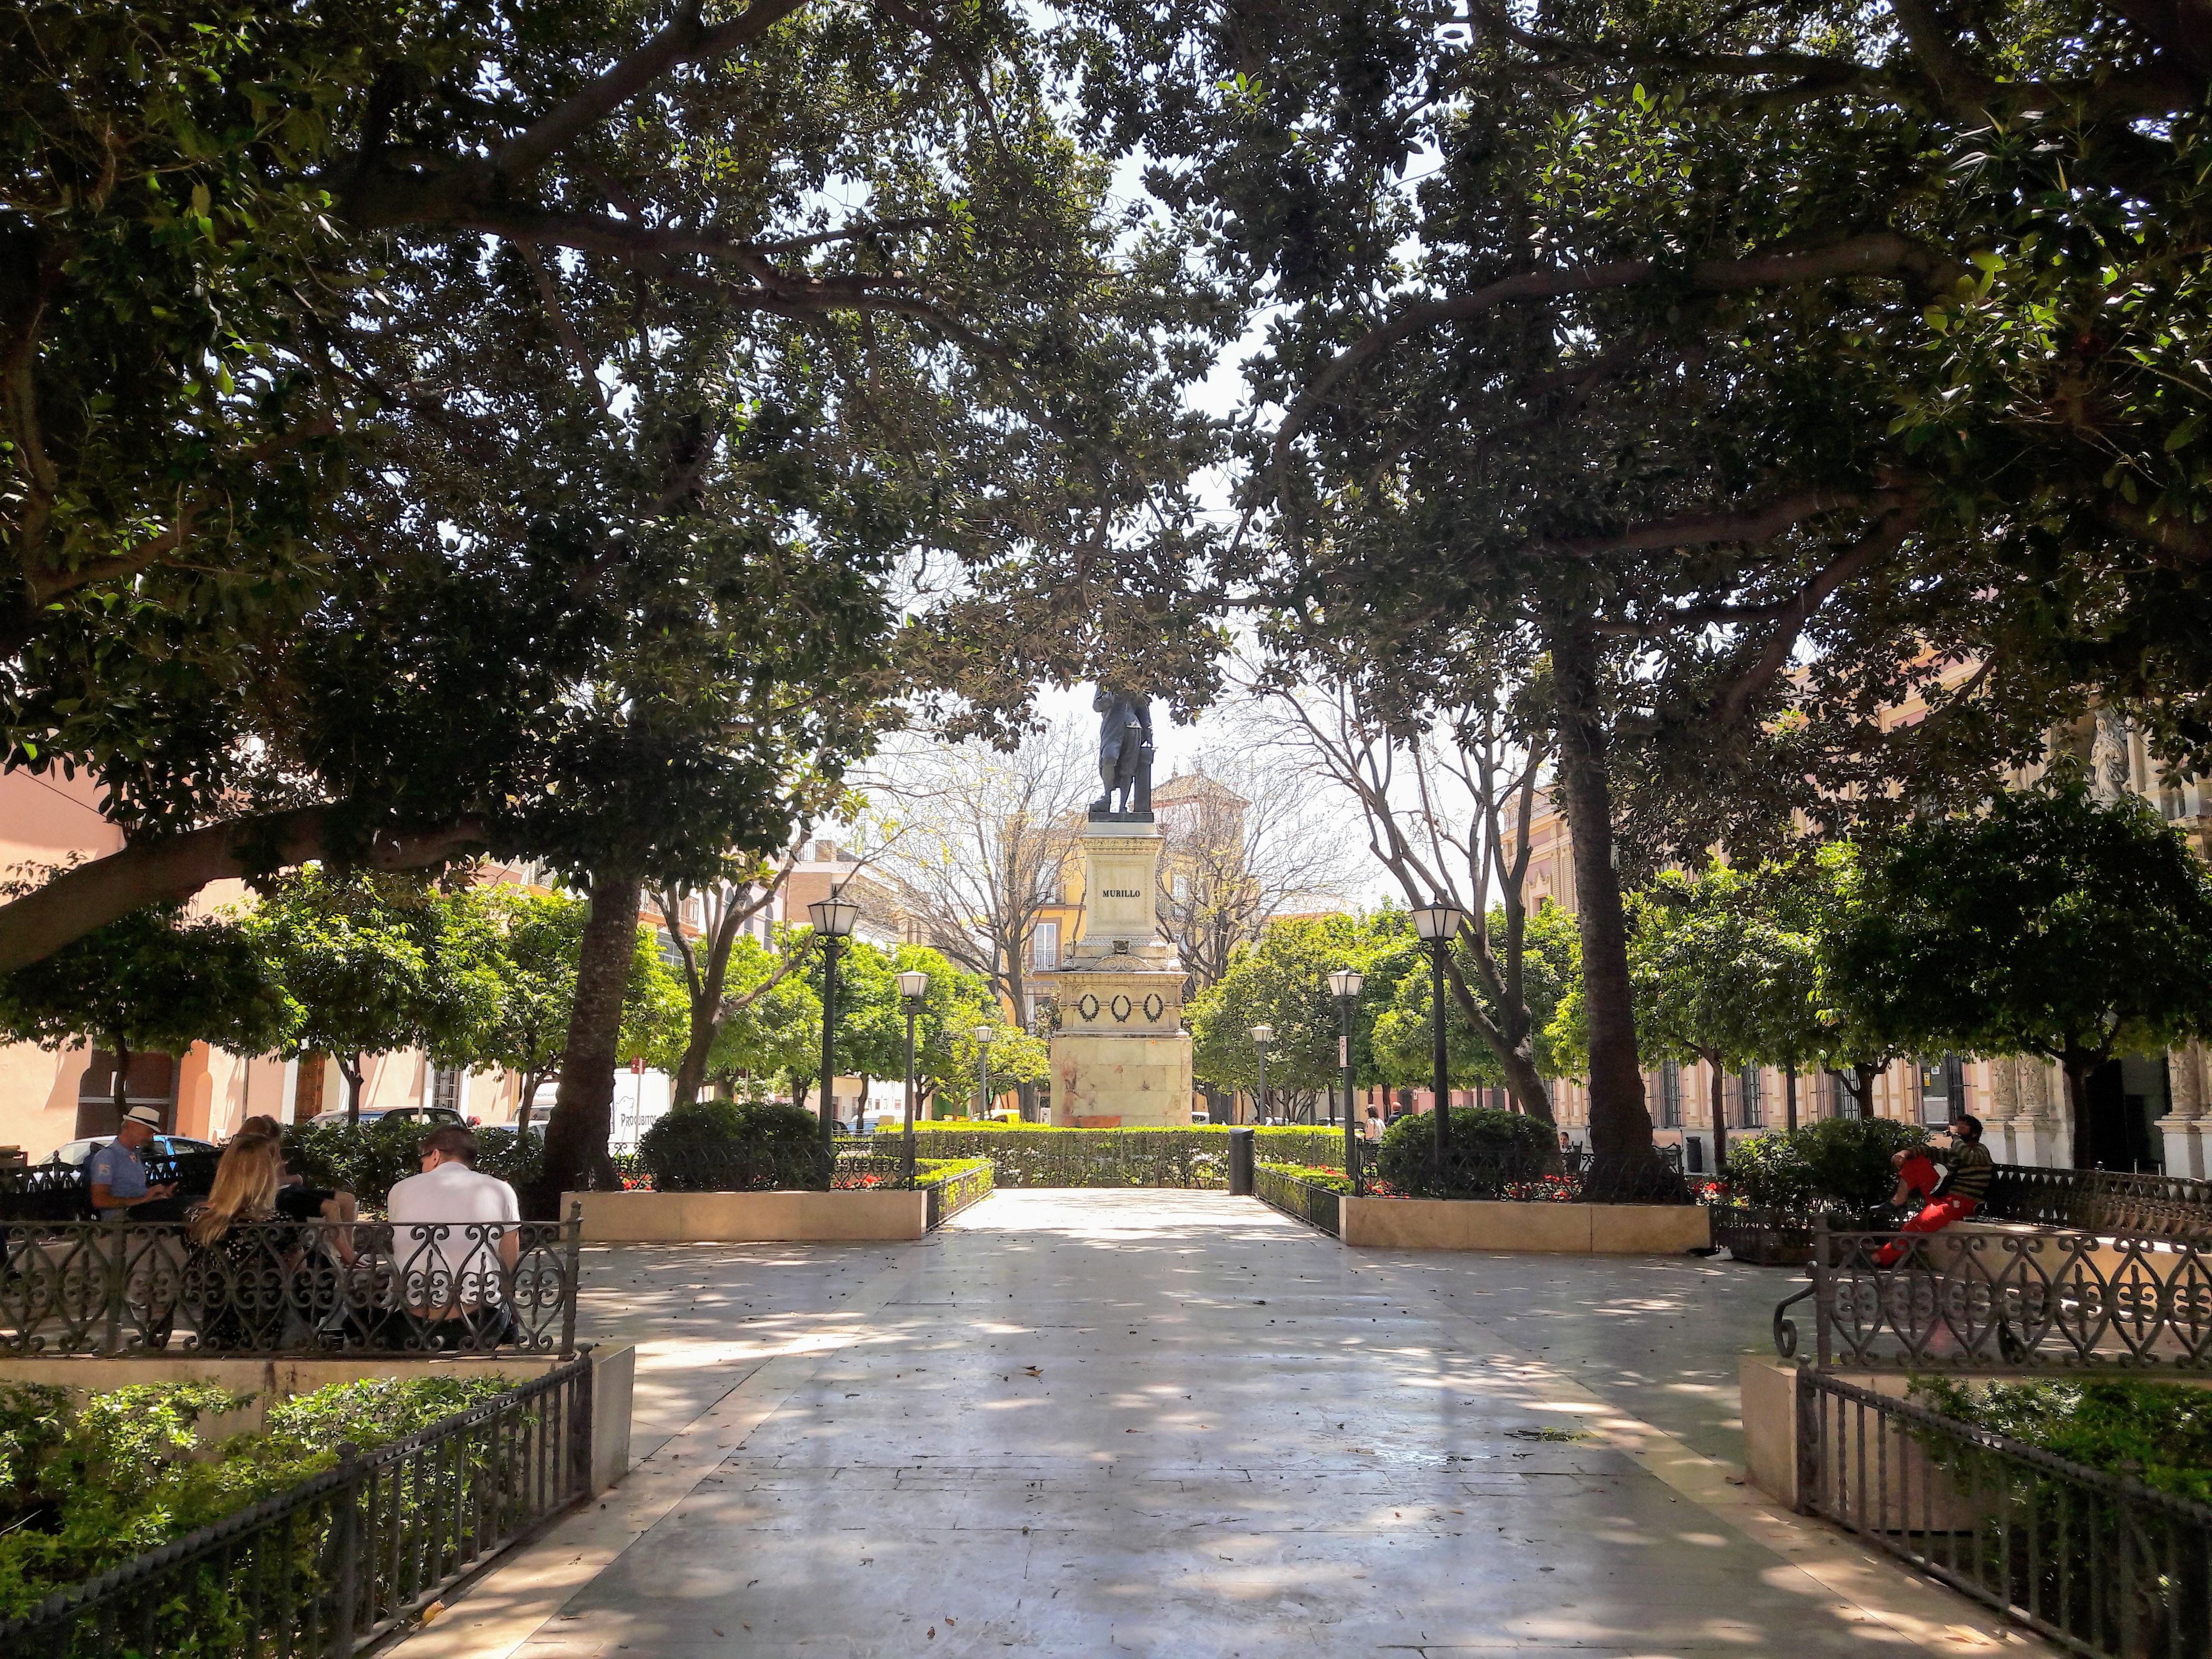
[1882, 252]
[1758, 524]
[1735, 697]
[89, 897]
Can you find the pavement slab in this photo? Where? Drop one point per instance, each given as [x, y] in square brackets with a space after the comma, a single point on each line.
[1157, 1422]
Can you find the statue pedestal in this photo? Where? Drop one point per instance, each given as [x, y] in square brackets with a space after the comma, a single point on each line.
[1121, 1058]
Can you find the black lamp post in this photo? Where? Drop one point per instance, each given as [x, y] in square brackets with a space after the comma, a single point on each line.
[983, 1034]
[833, 919]
[1261, 1037]
[1439, 924]
[1345, 985]
[913, 987]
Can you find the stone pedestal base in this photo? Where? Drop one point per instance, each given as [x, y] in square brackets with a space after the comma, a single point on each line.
[2186, 1148]
[1102, 1081]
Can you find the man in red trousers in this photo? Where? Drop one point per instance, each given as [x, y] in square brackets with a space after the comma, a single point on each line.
[1970, 1169]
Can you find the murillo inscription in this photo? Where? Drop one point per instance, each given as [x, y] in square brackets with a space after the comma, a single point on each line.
[1120, 892]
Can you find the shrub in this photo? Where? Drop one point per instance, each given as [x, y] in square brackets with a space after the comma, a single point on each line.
[1335, 1181]
[1841, 1161]
[365, 1160]
[2164, 1427]
[85, 1490]
[735, 1147]
[1492, 1152]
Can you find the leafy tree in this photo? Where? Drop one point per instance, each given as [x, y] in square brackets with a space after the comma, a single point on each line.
[368, 964]
[155, 980]
[539, 936]
[723, 906]
[872, 1022]
[1550, 963]
[1017, 1056]
[1282, 980]
[2047, 924]
[774, 1032]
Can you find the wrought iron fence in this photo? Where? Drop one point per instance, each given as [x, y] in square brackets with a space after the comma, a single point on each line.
[1777, 1236]
[346, 1557]
[58, 1192]
[1965, 1299]
[953, 1189]
[2172, 1209]
[1283, 1191]
[2097, 1562]
[123, 1287]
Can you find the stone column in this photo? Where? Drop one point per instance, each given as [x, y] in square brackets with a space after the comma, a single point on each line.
[2188, 1122]
[2037, 1133]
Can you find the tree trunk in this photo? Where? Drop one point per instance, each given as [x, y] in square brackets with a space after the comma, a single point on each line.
[351, 1073]
[576, 1158]
[1719, 1096]
[1617, 1118]
[706, 1025]
[1790, 1099]
[1526, 1084]
[1866, 1075]
[2077, 1107]
[801, 1088]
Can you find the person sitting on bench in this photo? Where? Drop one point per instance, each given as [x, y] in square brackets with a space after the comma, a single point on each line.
[1951, 1181]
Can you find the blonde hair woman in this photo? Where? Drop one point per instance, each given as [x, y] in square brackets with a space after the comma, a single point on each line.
[244, 1189]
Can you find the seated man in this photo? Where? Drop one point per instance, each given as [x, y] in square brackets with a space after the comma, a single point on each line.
[455, 1236]
[117, 1175]
[1970, 1168]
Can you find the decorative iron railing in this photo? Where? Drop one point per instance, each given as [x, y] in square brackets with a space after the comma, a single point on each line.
[2170, 1208]
[58, 1192]
[953, 1190]
[1316, 1205]
[348, 1556]
[2097, 1562]
[124, 1288]
[1966, 1297]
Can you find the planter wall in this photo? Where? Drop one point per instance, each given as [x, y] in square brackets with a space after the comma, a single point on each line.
[786, 1217]
[1455, 1223]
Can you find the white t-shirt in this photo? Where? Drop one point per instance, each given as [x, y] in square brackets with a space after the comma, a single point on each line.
[460, 1268]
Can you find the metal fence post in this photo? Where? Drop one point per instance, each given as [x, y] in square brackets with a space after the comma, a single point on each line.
[1807, 1402]
[1823, 1290]
[580, 1432]
[574, 1270]
[345, 1540]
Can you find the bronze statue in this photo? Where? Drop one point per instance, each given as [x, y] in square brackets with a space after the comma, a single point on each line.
[1125, 754]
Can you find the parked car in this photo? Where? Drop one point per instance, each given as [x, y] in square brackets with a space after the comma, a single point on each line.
[394, 1114]
[76, 1153]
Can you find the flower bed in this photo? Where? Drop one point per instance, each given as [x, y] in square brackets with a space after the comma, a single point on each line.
[1311, 1195]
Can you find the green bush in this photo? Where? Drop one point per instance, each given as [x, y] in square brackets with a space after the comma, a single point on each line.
[1042, 1155]
[365, 1160]
[735, 1147]
[84, 1490]
[1840, 1161]
[2166, 1428]
[1335, 1181]
[1491, 1151]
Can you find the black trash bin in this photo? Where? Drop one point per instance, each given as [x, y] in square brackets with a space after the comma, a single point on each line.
[1240, 1162]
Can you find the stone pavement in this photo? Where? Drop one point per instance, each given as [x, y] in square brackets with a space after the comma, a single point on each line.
[1078, 1422]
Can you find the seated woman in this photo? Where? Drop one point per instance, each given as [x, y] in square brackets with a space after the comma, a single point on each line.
[238, 1275]
[296, 1199]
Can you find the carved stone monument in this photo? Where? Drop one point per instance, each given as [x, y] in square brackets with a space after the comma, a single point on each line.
[1121, 1057]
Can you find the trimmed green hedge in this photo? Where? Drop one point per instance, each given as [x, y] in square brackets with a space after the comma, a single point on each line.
[365, 1159]
[1041, 1155]
[1331, 1181]
[1838, 1161]
[2164, 1428]
[736, 1147]
[1492, 1152]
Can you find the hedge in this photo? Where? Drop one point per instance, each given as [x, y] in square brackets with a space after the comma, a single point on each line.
[1041, 1155]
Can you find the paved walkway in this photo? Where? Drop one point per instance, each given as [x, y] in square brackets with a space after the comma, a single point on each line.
[1179, 1423]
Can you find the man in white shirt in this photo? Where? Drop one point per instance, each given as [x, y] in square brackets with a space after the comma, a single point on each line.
[454, 1235]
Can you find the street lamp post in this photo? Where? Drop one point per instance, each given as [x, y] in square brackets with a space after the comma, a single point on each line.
[833, 919]
[1261, 1037]
[913, 986]
[983, 1034]
[1345, 985]
[1439, 924]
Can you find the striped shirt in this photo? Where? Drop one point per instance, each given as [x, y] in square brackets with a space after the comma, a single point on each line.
[1972, 1169]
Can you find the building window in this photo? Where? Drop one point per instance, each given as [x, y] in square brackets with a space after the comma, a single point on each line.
[1942, 1088]
[1754, 1113]
[1670, 1095]
[1044, 947]
[446, 1087]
